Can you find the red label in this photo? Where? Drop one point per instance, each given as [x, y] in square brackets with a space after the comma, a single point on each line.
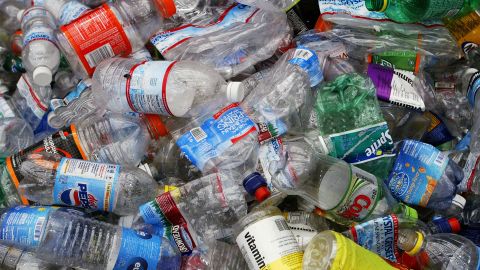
[96, 36]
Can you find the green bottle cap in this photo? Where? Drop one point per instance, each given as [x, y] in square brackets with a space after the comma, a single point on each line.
[376, 5]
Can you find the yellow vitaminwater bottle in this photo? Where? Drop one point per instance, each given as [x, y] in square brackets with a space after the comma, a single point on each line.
[330, 250]
[267, 242]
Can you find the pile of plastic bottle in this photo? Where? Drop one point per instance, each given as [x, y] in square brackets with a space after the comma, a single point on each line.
[239, 134]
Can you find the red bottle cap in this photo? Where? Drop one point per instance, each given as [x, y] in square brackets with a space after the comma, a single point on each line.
[455, 225]
[166, 7]
[155, 126]
[262, 193]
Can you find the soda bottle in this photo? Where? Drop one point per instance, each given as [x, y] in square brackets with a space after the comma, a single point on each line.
[65, 11]
[332, 251]
[112, 29]
[266, 240]
[197, 212]
[40, 54]
[115, 139]
[54, 236]
[424, 176]
[411, 11]
[346, 193]
[440, 251]
[178, 89]
[50, 179]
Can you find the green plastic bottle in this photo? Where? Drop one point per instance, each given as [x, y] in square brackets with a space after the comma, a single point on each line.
[411, 11]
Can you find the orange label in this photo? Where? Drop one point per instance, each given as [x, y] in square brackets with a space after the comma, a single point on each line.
[96, 36]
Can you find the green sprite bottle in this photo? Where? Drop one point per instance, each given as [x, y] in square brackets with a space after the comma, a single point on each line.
[411, 11]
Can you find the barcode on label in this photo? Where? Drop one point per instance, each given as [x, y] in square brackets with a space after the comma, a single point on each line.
[440, 159]
[198, 134]
[95, 57]
[38, 228]
[281, 225]
[303, 54]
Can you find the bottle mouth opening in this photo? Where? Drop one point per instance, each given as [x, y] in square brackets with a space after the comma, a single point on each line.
[376, 5]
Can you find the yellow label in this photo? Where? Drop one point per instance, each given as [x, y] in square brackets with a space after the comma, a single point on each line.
[352, 256]
[465, 29]
[290, 262]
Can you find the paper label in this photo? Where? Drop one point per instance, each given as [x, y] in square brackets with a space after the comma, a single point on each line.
[25, 225]
[5, 109]
[96, 36]
[215, 135]
[361, 198]
[270, 130]
[71, 11]
[146, 88]
[395, 86]
[86, 184]
[34, 102]
[416, 171]
[237, 13]
[64, 143]
[355, 8]
[269, 244]
[404, 60]
[363, 144]
[139, 250]
[379, 235]
[308, 60]
[163, 211]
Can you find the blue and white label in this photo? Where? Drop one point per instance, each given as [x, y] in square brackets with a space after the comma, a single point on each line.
[139, 251]
[146, 88]
[167, 40]
[417, 169]
[86, 184]
[308, 60]
[473, 87]
[215, 135]
[152, 214]
[38, 33]
[351, 7]
[379, 236]
[71, 11]
[25, 225]
[72, 96]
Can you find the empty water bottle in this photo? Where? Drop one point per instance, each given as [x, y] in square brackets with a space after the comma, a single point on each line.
[66, 11]
[54, 236]
[40, 53]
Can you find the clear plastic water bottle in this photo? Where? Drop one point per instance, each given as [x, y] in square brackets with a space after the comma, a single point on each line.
[30, 101]
[12, 11]
[40, 54]
[197, 212]
[118, 28]
[346, 193]
[178, 89]
[50, 179]
[67, 239]
[66, 11]
[239, 38]
[424, 176]
[440, 251]
[15, 135]
[17, 259]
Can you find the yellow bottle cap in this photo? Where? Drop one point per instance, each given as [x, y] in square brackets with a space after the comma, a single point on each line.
[418, 245]
[385, 5]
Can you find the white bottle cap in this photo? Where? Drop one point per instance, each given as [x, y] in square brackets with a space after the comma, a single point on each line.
[3, 89]
[42, 76]
[459, 201]
[235, 92]
[55, 7]
[20, 15]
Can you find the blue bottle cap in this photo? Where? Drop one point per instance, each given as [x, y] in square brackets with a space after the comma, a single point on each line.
[256, 186]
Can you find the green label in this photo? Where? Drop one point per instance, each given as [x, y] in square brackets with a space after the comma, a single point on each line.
[405, 60]
[361, 145]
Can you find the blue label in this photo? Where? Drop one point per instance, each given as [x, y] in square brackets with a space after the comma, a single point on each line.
[437, 132]
[379, 235]
[71, 11]
[139, 250]
[308, 60]
[25, 225]
[417, 169]
[215, 135]
[43, 128]
[86, 184]
[473, 87]
[152, 214]
[464, 143]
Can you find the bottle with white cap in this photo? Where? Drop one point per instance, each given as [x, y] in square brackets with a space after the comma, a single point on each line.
[66, 11]
[180, 88]
[40, 54]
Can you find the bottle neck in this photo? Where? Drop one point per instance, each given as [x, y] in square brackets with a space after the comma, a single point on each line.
[410, 241]
[376, 5]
